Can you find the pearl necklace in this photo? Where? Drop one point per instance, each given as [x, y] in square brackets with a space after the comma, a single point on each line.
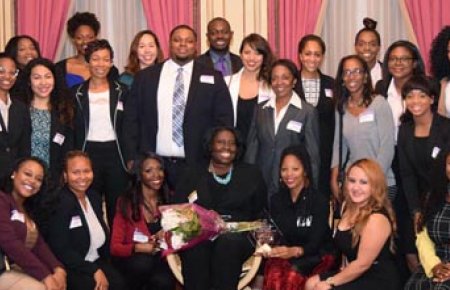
[221, 180]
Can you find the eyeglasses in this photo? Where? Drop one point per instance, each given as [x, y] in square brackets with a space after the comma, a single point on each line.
[12, 74]
[403, 59]
[352, 72]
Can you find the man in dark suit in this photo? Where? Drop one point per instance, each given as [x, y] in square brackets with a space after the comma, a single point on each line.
[173, 104]
[218, 56]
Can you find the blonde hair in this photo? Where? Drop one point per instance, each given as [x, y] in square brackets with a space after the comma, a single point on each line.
[378, 200]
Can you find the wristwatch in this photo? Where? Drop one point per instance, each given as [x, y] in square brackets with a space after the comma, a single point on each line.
[330, 282]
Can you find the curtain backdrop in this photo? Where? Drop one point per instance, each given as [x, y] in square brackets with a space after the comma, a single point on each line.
[6, 22]
[289, 21]
[163, 15]
[44, 20]
[427, 18]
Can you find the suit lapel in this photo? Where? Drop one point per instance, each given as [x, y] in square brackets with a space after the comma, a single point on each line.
[114, 91]
[291, 113]
[268, 121]
[192, 93]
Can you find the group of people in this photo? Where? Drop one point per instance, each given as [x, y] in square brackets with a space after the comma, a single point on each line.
[249, 136]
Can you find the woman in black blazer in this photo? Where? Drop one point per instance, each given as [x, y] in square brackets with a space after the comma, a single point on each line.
[98, 124]
[51, 113]
[77, 232]
[421, 137]
[317, 89]
[14, 119]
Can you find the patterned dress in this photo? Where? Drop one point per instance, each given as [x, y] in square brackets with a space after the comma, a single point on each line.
[439, 231]
[40, 134]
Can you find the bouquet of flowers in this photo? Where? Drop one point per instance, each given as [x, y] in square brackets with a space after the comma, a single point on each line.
[188, 224]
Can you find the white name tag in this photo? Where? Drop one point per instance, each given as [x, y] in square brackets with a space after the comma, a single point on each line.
[75, 222]
[294, 126]
[119, 106]
[207, 79]
[329, 93]
[59, 138]
[367, 117]
[1, 128]
[435, 152]
[304, 222]
[139, 237]
[17, 216]
[192, 197]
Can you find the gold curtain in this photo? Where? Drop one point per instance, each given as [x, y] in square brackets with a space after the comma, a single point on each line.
[6, 22]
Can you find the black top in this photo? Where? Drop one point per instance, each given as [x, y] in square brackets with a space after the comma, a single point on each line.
[420, 145]
[303, 223]
[243, 199]
[245, 109]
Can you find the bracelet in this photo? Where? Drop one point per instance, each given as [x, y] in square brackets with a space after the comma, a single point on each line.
[330, 282]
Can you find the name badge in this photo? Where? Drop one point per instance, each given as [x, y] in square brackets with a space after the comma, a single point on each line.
[1, 128]
[329, 93]
[192, 197]
[207, 79]
[17, 216]
[59, 138]
[435, 152]
[139, 237]
[75, 222]
[294, 126]
[119, 106]
[367, 117]
[304, 221]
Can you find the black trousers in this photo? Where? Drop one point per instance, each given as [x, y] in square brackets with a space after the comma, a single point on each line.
[145, 272]
[110, 178]
[216, 264]
[82, 281]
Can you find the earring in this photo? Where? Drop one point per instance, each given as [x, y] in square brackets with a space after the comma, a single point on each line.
[12, 176]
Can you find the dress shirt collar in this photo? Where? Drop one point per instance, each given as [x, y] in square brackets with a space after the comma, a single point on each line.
[173, 66]
[294, 101]
[215, 56]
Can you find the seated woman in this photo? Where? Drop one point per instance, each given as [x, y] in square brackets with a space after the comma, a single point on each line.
[433, 237]
[233, 189]
[136, 228]
[301, 214]
[33, 264]
[364, 235]
[77, 232]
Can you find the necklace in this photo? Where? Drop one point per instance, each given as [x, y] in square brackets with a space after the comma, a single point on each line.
[353, 104]
[221, 180]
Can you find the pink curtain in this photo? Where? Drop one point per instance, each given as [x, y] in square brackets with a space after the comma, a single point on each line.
[290, 20]
[43, 20]
[428, 17]
[163, 15]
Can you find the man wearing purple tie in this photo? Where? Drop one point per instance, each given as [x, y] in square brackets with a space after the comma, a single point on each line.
[219, 56]
[173, 104]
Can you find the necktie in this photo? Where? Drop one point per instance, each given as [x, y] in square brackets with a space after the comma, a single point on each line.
[222, 66]
[178, 106]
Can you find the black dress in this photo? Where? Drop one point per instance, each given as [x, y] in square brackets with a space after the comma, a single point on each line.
[383, 274]
[245, 109]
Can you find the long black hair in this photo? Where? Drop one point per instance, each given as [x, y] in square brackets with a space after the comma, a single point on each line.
[440, 63]
[133, 197]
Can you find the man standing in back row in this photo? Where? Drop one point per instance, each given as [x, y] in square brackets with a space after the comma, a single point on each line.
[173, 104]
[219, 56]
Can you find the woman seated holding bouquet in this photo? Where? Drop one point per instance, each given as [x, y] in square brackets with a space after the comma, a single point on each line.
[236, 191]
[77, 231]
[364, 234]
[433, 237]
[136, 229]
[301, 214]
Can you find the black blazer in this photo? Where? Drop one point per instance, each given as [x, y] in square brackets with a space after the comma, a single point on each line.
[71, 245]
[208, 105]
[325, 108]
[241, 200]
[15, 143]
[118, 95]
[236, 62]
[415, 178]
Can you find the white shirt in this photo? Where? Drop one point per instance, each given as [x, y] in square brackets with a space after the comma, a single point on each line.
[165, 146]
[295, 101]
[96, 233]
[4, 110]
[100, 125]
[397, 106]
[376, 74]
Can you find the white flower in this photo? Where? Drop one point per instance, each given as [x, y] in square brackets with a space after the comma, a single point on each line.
[170, 219]
[177, 241]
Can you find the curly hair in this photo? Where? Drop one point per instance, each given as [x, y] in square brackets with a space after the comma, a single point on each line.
[82, 18]
[260, 44]
[439, 60]
[378, 200]
[12, 47]
[340, 91]
[60, 101]
[132, 66]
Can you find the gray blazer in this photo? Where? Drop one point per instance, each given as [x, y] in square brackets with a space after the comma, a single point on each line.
[265, 147]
